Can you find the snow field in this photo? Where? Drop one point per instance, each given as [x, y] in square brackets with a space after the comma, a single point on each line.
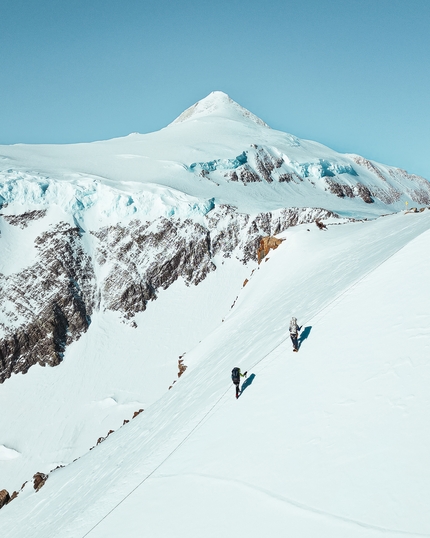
[57, 414]
[134, 173]
[329, 442]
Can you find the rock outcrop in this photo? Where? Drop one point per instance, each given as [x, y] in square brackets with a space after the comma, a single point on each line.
[266, 245]
[359, 179]
[4, 497]
[48, 305]
[24, 219]
[39, 480]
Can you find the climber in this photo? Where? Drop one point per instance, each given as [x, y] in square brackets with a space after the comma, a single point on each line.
[294, 333]
[236, 374]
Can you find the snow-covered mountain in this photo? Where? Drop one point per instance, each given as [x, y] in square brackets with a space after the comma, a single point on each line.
[129, 262]
[215, 151]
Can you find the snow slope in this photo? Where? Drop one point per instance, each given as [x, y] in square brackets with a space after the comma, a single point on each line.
[197, 154]
[55, 415]
[330, 442]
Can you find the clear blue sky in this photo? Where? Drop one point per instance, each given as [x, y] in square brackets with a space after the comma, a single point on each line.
[351, 74]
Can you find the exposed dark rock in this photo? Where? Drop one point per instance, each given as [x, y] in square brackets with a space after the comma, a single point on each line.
[320, 225]
[369, 165]
[48, 304]
[295, 216]
[420, 196]
[387, 195]
[4, 497]
[39, 480]
[247, 175]
[265, 165]
[286, 177]
[181, 367]
[23, 220]
[101, 439]
[339, 189]
[420, 187]
[267, 244]
[261, 170]
[146, 258]
[364, 193]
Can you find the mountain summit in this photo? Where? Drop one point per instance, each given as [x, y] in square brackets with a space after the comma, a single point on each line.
[137, 268]
[218, 104]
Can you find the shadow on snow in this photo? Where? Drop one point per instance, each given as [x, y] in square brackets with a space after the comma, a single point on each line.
[305, 334]
[248, 381]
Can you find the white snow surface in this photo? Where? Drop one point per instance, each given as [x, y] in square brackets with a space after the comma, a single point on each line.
[143, 174]
[330, 442]
[218, 104]
[55, 415]
[8, 453]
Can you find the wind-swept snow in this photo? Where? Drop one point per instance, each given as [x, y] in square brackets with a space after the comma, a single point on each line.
[330, 442]
[7, 453]
[117, 257]
[125, 175]
[218, 104]
[55, 415]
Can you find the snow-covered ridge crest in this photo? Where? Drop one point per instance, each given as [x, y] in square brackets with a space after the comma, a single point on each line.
[218, 104]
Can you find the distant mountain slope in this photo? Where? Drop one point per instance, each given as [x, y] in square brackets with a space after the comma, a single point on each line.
[216, 150]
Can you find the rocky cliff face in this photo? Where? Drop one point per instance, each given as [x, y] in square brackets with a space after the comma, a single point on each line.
[49, 304]
[260, 164]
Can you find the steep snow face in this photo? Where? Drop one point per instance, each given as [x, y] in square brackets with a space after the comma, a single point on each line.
[219, 104]
[51, 416]
[118, 256]
[330, 442]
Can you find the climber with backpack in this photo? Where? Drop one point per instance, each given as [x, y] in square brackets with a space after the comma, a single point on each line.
[294, 333]
[236, 374]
